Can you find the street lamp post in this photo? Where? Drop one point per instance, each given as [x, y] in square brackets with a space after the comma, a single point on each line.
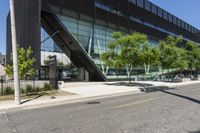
[14, 51]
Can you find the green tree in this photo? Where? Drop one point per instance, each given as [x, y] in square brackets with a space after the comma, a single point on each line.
[111, 57]
[150, 56]
[125, 51]
[70, 67]
[25, 64]
[172, 57]
[131, 51]
[193, 55]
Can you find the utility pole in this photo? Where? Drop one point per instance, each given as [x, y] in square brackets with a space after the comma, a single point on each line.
[14, 51]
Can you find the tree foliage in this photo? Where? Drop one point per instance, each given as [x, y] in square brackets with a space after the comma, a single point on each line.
[193, 55]
[133, 50]
[25, 64]
[172, 57]
[125, 51]
[150, 56]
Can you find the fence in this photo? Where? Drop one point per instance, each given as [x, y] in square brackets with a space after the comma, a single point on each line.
[26, 86]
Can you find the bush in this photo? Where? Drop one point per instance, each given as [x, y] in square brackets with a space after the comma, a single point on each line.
[38, 89]
[47, 87]
[8, 91]
[29, 89]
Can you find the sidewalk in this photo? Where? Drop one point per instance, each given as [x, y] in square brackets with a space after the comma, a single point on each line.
[84, 90]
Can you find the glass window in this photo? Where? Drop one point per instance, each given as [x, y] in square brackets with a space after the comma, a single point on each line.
[140, 3]
[174, 19]
[153, 9]
[182, 24]
[69, 13]
[165, 15]
[160, 12]
[188, 27]
[133, 1]
[100, 22]
[112, 26]
[185, 26]
[147, 5]
[193, 29]
[123, 29]
[169, 17]
[178, 22]
[86, 18]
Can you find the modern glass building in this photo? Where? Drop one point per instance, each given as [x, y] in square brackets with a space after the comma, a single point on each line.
[82, 29]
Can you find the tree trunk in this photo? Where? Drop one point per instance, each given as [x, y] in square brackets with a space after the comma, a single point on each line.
[148, 68]
[129, 74]
[168, 74]
[107, 70]
[145, 68]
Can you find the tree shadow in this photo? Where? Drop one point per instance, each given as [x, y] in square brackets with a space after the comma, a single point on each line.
[164, 88]
[129, 84]
[182, 96]
[147, 88]
[194, 131]
[38, 96]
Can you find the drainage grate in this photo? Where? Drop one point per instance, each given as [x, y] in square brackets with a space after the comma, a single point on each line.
[93, 102]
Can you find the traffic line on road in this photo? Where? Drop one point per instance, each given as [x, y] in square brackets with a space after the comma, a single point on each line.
[134, 103]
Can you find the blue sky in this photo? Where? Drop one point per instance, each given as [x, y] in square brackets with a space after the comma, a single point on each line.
[4, 7]
[188, 10]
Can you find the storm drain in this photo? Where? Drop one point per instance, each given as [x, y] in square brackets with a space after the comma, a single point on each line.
[94, 102]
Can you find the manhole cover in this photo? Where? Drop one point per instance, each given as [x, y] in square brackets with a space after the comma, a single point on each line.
[93, 102]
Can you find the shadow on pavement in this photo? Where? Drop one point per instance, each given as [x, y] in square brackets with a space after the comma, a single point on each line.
[181, 96]
[154, 88]
[194, 131]
[151, 88]
[129, 84]
[164, 88]
[38, 96]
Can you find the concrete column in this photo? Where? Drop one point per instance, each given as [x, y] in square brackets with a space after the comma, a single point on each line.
[86, 76]
[83, 75]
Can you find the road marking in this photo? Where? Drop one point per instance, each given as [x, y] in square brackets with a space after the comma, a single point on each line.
[135, 103]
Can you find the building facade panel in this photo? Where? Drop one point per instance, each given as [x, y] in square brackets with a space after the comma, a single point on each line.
[27, 15]
[91, 23]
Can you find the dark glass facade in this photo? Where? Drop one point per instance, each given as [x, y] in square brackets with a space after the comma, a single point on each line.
[85, 28]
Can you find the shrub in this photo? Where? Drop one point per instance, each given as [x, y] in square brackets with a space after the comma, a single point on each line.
[47, 87]
[29, 89]
[8, 91]
[38, 89]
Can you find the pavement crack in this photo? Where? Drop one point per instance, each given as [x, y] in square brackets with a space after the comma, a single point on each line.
[10, 125]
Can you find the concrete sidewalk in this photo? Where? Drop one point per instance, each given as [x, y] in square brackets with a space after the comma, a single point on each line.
[84, 90]
[106, 88]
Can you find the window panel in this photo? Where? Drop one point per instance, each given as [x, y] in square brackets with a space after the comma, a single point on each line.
[147, 5]
[160, 12]
[140, 3]
[193, 30]
[178, 22]
[165, 15]
[153, 9]
[169, 17]
[182, 24]
[174, 20]
[133, 1]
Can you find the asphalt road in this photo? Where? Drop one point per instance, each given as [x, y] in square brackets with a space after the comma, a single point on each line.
[168, 111]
